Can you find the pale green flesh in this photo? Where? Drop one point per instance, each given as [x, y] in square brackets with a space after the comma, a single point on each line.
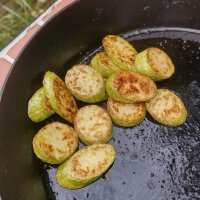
[122, 65]
[49, 145]
[98, 93]
[38, 106]
[114, 47]
[93, 125]
[157, 109]
[104, 70]
[96, 66]
[143, 67]
[88, 142]
[95, 99]
[67, 180]
[69, 183]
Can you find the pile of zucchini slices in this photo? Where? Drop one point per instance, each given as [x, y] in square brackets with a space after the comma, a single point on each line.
[123, 77]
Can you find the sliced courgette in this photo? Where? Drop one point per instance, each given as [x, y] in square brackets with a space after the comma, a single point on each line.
[85, 166]
[85, 83]
[126, 115]
[38, 106]
[120, 52]
[93, 125]
[55, 142]
[104, 65]
[155, 63]
[130, 87]
[112, 91]
[167, 108]
[59, 96]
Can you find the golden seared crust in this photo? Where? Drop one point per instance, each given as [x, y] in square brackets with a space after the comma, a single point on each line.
[65, 102]
[55, 142]
[85, 83]
[45, 103]
[160, 62]
[126, 114]
[107, 63]
[91, 161]
[167, 108]
[135, 87]
[119, 51]
[93, 125]
[59, 97]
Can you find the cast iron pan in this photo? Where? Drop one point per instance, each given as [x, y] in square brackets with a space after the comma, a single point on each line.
[154, 162]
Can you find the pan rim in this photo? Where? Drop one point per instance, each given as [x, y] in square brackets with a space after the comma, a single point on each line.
[126, 35]
[30, 40]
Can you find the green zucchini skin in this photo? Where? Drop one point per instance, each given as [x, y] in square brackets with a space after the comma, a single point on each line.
[39, 108]
[59, 96]
[104, 65]
[85, 166]
[120, 52]
[154, 63]
[167, 108]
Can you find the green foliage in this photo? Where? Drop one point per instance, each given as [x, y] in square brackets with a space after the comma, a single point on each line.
[17, 15]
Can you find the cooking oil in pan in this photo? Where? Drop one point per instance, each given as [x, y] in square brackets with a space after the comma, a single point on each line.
[153, 162]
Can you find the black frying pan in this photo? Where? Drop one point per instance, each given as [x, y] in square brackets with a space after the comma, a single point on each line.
[154, 162]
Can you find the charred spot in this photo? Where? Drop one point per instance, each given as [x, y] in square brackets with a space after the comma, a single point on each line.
[113, 38]
[166, 97]
[115, 108]
[145, 87]
[44, 128]
[60, 151]
[65, 101]
[98, 80]
[104, 59]
[47, 106]
[129, 80]
[58, 128]
[65, 136]
[48, 148]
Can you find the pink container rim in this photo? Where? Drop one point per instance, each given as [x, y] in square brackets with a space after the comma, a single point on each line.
[10, 53]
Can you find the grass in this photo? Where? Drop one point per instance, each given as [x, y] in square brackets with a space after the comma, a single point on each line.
[15, 15]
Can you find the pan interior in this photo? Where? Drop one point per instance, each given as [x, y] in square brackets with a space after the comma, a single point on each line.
[153, 161]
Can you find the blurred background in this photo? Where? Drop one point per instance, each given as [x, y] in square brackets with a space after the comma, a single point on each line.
[16, 15]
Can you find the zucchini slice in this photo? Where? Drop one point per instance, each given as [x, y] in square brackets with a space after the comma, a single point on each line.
[93, 125]
[126, 115]
[55, 142]
[112, 91]
[85, 166]
[120, 52]
[155, 63]
[38, 106]
[85, 83]
[104, 65]
[59, 96]
[130, 86]
[167, 108]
